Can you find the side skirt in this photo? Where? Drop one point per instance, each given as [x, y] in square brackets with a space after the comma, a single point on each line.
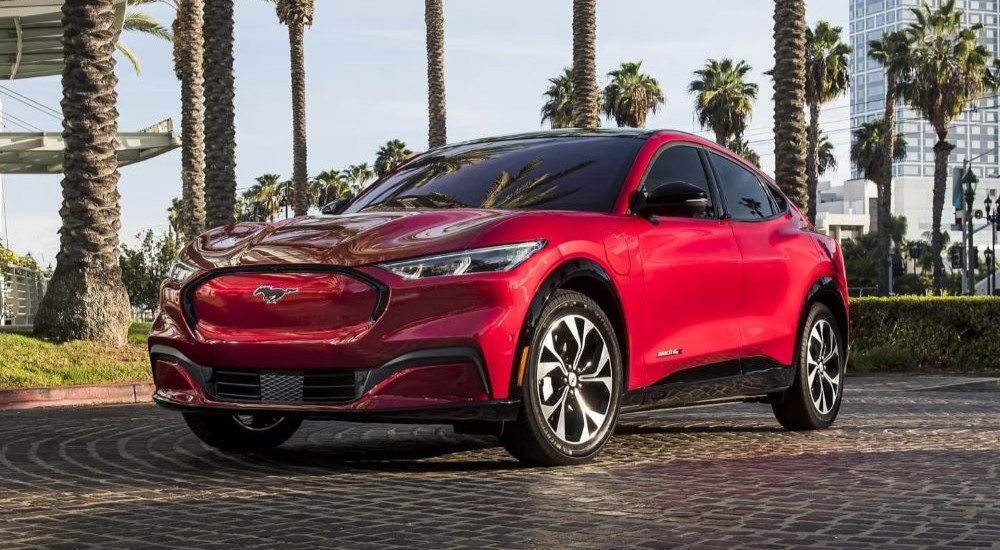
[726, 382]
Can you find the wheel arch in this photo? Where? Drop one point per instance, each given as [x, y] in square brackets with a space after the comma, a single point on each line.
[590, 279]
[826, 291]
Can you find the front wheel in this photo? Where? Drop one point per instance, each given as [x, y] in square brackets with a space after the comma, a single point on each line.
[247, 433]
[813, 401]
[571, 387]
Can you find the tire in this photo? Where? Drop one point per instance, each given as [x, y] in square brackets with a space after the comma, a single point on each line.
[812, 402]
[251, 433]
[571, 394]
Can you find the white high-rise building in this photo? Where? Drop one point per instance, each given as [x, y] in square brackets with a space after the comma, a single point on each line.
[975, 134]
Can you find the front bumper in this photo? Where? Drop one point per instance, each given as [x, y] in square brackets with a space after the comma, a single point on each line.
[438, 385]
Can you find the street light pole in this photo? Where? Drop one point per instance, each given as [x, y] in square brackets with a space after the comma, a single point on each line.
[970, 180]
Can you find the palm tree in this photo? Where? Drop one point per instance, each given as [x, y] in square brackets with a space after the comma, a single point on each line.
[866, 148]
[892, 51]
[826, 158]
[723, 98]
[188, 65]
[558, 107]
[268, 193]
[143, 23]
[220, 114]
[827, 77]
[742, 148]
[86, 299]
[389, 155]
[297, 15]
[790, 99]
[437, 127]
[585, 94]
[357, 175]
[631, 96]
[949, 70]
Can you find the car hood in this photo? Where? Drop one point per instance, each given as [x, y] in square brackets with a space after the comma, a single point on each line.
[348, 240]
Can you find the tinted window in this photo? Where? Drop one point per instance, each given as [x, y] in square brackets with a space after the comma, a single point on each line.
[780, 204]
[679, 163]
[744, 194]
[551, 173]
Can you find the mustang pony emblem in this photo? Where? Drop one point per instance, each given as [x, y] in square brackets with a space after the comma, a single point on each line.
[272, 295]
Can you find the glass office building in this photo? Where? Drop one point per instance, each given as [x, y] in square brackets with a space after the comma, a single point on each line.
[974, 133]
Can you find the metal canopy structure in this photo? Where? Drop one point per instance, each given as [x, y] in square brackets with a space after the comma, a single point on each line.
[31, 37]
[42, 152]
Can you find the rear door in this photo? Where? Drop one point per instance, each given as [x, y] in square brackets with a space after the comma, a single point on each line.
[691, 272]
[769, 300]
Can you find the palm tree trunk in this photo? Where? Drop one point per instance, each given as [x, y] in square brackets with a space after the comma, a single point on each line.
[586, 97]
[883, 185]
[437, 128]
[812, 161]
[942, 149]
[789, 100]
[85, 297]
[296, 38]
[192, 118]
[220, 114]
[720, 138]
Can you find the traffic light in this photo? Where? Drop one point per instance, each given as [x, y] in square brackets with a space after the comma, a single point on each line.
[898, 265]
[975, 257]
[956, 256]
[988, 257]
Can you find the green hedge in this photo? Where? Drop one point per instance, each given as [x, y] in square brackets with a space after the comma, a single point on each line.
[925, 334]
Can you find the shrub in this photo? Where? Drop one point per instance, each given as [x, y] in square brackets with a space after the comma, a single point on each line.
[925, 334]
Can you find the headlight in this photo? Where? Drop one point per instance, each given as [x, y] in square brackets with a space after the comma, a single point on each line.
[481, 260]
[181, 271]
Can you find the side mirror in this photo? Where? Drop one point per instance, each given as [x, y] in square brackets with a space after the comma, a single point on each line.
[676, 198]
[335, 206]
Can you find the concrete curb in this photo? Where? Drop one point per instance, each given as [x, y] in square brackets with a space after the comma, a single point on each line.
[75, 396]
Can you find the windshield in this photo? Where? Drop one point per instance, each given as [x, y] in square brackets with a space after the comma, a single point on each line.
[549, 173]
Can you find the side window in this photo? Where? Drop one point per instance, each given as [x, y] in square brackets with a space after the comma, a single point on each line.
[745, 196]
[779, 201]
[680, 163]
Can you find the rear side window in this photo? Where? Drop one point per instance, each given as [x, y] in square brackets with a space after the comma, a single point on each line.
[679, 163]
[745, 195]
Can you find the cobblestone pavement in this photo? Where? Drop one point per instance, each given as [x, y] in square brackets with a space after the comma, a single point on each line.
[900, 468]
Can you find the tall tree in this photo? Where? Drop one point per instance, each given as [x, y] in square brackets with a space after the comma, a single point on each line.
[949, 71]
[868, 156]
[297, 15]
[892, 51]
[723, 98]
[85, 299]
[631, 96]
[826, 158]
[141, 23]
[827, 77]
[220, 114]
[558, 107]
[357, 175]
[586, 96]
[188, 65]
[790, 100]
[389, 155]
[437, 127]
[742, 148]
[267, 195]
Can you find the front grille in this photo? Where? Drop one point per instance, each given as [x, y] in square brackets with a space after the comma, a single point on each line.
[288, 386]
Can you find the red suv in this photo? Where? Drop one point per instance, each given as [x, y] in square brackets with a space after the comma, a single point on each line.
[532, 286]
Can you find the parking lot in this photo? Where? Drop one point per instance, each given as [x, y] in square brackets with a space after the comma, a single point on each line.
[906, 465]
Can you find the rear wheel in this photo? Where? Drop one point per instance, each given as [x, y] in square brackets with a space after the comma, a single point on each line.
[813, 401]
[571, 387]
[242, 432]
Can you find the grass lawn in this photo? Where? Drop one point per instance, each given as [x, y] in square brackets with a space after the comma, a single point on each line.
[27, 362]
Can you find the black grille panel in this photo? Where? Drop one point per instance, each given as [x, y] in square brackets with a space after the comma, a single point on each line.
[289, 386]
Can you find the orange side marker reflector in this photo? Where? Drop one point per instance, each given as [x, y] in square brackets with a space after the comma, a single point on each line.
[524, 361]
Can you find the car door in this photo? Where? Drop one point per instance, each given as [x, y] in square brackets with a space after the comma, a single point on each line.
[767, 240]
[691, 276]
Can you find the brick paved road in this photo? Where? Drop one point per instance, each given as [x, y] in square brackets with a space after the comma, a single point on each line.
[902, 467]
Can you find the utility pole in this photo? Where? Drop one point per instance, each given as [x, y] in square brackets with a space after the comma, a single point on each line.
[969, 180]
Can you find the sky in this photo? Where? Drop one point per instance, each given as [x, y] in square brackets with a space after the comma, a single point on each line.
[366, 84]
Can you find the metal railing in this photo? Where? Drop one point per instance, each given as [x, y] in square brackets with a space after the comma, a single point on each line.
[21, 291]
